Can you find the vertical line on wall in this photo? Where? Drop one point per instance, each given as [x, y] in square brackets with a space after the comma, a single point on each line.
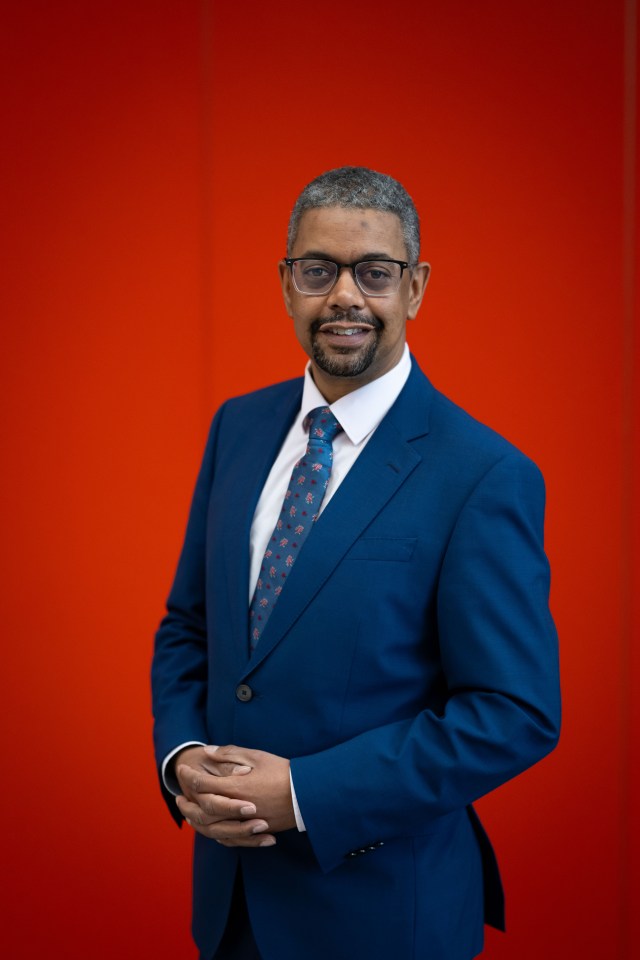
[628, 432]
[206, 205]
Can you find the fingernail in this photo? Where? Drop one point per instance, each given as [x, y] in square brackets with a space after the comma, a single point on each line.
[260, 828]
[269, 842]
[242, 768]
[248, 811]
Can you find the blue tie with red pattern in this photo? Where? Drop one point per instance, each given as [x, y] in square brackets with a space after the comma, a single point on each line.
[299, 511]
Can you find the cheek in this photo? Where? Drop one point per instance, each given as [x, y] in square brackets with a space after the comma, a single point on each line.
[301, 329]
[304, 313]
[394, 325]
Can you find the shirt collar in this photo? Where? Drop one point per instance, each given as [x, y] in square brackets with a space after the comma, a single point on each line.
[360, 411]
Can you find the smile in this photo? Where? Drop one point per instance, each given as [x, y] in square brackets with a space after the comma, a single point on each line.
[342, 329]
[356, 334]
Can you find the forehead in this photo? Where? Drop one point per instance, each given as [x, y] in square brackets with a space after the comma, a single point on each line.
[346, 233]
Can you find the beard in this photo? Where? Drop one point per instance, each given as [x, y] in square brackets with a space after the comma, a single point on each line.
[345, 361]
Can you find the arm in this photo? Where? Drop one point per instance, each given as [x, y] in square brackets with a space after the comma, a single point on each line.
[499, 656]
[179, 687]
[179, 668]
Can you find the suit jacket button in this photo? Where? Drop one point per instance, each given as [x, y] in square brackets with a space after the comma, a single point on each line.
[244, 692]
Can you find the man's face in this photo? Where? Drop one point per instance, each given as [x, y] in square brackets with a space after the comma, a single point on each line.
[343, 361]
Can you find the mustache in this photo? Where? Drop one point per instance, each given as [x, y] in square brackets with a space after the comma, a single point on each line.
[348, 316]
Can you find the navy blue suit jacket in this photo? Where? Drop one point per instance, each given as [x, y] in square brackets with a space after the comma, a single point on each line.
[409, 667]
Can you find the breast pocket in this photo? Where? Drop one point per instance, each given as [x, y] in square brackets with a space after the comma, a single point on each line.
[383, 548]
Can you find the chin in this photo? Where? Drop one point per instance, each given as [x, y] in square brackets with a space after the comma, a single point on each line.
[344, 362]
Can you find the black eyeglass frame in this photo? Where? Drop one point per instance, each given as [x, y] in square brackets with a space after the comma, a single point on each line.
[403, 264]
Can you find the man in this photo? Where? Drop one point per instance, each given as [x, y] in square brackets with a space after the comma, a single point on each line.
[361, 605]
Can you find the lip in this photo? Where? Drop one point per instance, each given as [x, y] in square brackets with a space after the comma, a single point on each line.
[335, 332]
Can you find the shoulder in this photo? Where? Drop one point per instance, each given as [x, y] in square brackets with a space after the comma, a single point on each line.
[482, 470]
[464, 442]
[265, 396]
[450, 420]
[263, 402]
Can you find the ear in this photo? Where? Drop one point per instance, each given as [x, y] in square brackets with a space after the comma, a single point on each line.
[287, 286]
[419, 279]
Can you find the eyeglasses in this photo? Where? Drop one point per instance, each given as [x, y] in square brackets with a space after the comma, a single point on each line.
[375, 278]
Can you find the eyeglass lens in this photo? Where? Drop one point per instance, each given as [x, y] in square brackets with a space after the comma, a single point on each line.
[374, 277]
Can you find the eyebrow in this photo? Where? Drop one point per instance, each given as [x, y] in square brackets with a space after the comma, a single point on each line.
[322, 255]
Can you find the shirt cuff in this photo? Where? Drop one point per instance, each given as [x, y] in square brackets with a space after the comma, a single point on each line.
[296, 809]
[168, 776]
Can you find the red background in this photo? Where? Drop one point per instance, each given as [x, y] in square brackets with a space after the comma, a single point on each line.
[151, 151]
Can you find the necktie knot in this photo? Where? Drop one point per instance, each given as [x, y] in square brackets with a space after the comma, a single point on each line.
[322, 424]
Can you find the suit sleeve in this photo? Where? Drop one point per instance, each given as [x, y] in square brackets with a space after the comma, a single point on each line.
[179, 668]
[498, 650]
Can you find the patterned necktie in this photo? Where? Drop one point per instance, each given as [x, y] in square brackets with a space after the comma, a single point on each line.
[300, 509]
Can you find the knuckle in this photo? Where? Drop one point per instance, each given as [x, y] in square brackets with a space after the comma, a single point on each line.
[208, 805]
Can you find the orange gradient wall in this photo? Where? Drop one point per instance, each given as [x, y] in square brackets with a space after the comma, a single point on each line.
[151, 153]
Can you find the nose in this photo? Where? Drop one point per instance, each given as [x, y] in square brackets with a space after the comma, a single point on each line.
[346, 293]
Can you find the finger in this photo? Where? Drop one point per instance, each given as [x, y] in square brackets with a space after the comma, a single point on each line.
[193, 813]
[195, 783]
[227, 835]
[267, 841]
[217, 769]
[250, 840]
[211, 809]
[228, 829]
[218, 807]
[238, 755]
[232, 832]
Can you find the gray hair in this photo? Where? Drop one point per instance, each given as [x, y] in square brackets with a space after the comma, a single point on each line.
[363, 189]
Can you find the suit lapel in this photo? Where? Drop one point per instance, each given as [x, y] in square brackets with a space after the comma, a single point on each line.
[380, 470]
[252, 463]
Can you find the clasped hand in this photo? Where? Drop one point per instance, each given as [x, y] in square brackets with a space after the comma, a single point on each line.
[236, 796]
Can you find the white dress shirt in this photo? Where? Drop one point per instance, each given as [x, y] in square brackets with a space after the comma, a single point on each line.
[358, 413]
